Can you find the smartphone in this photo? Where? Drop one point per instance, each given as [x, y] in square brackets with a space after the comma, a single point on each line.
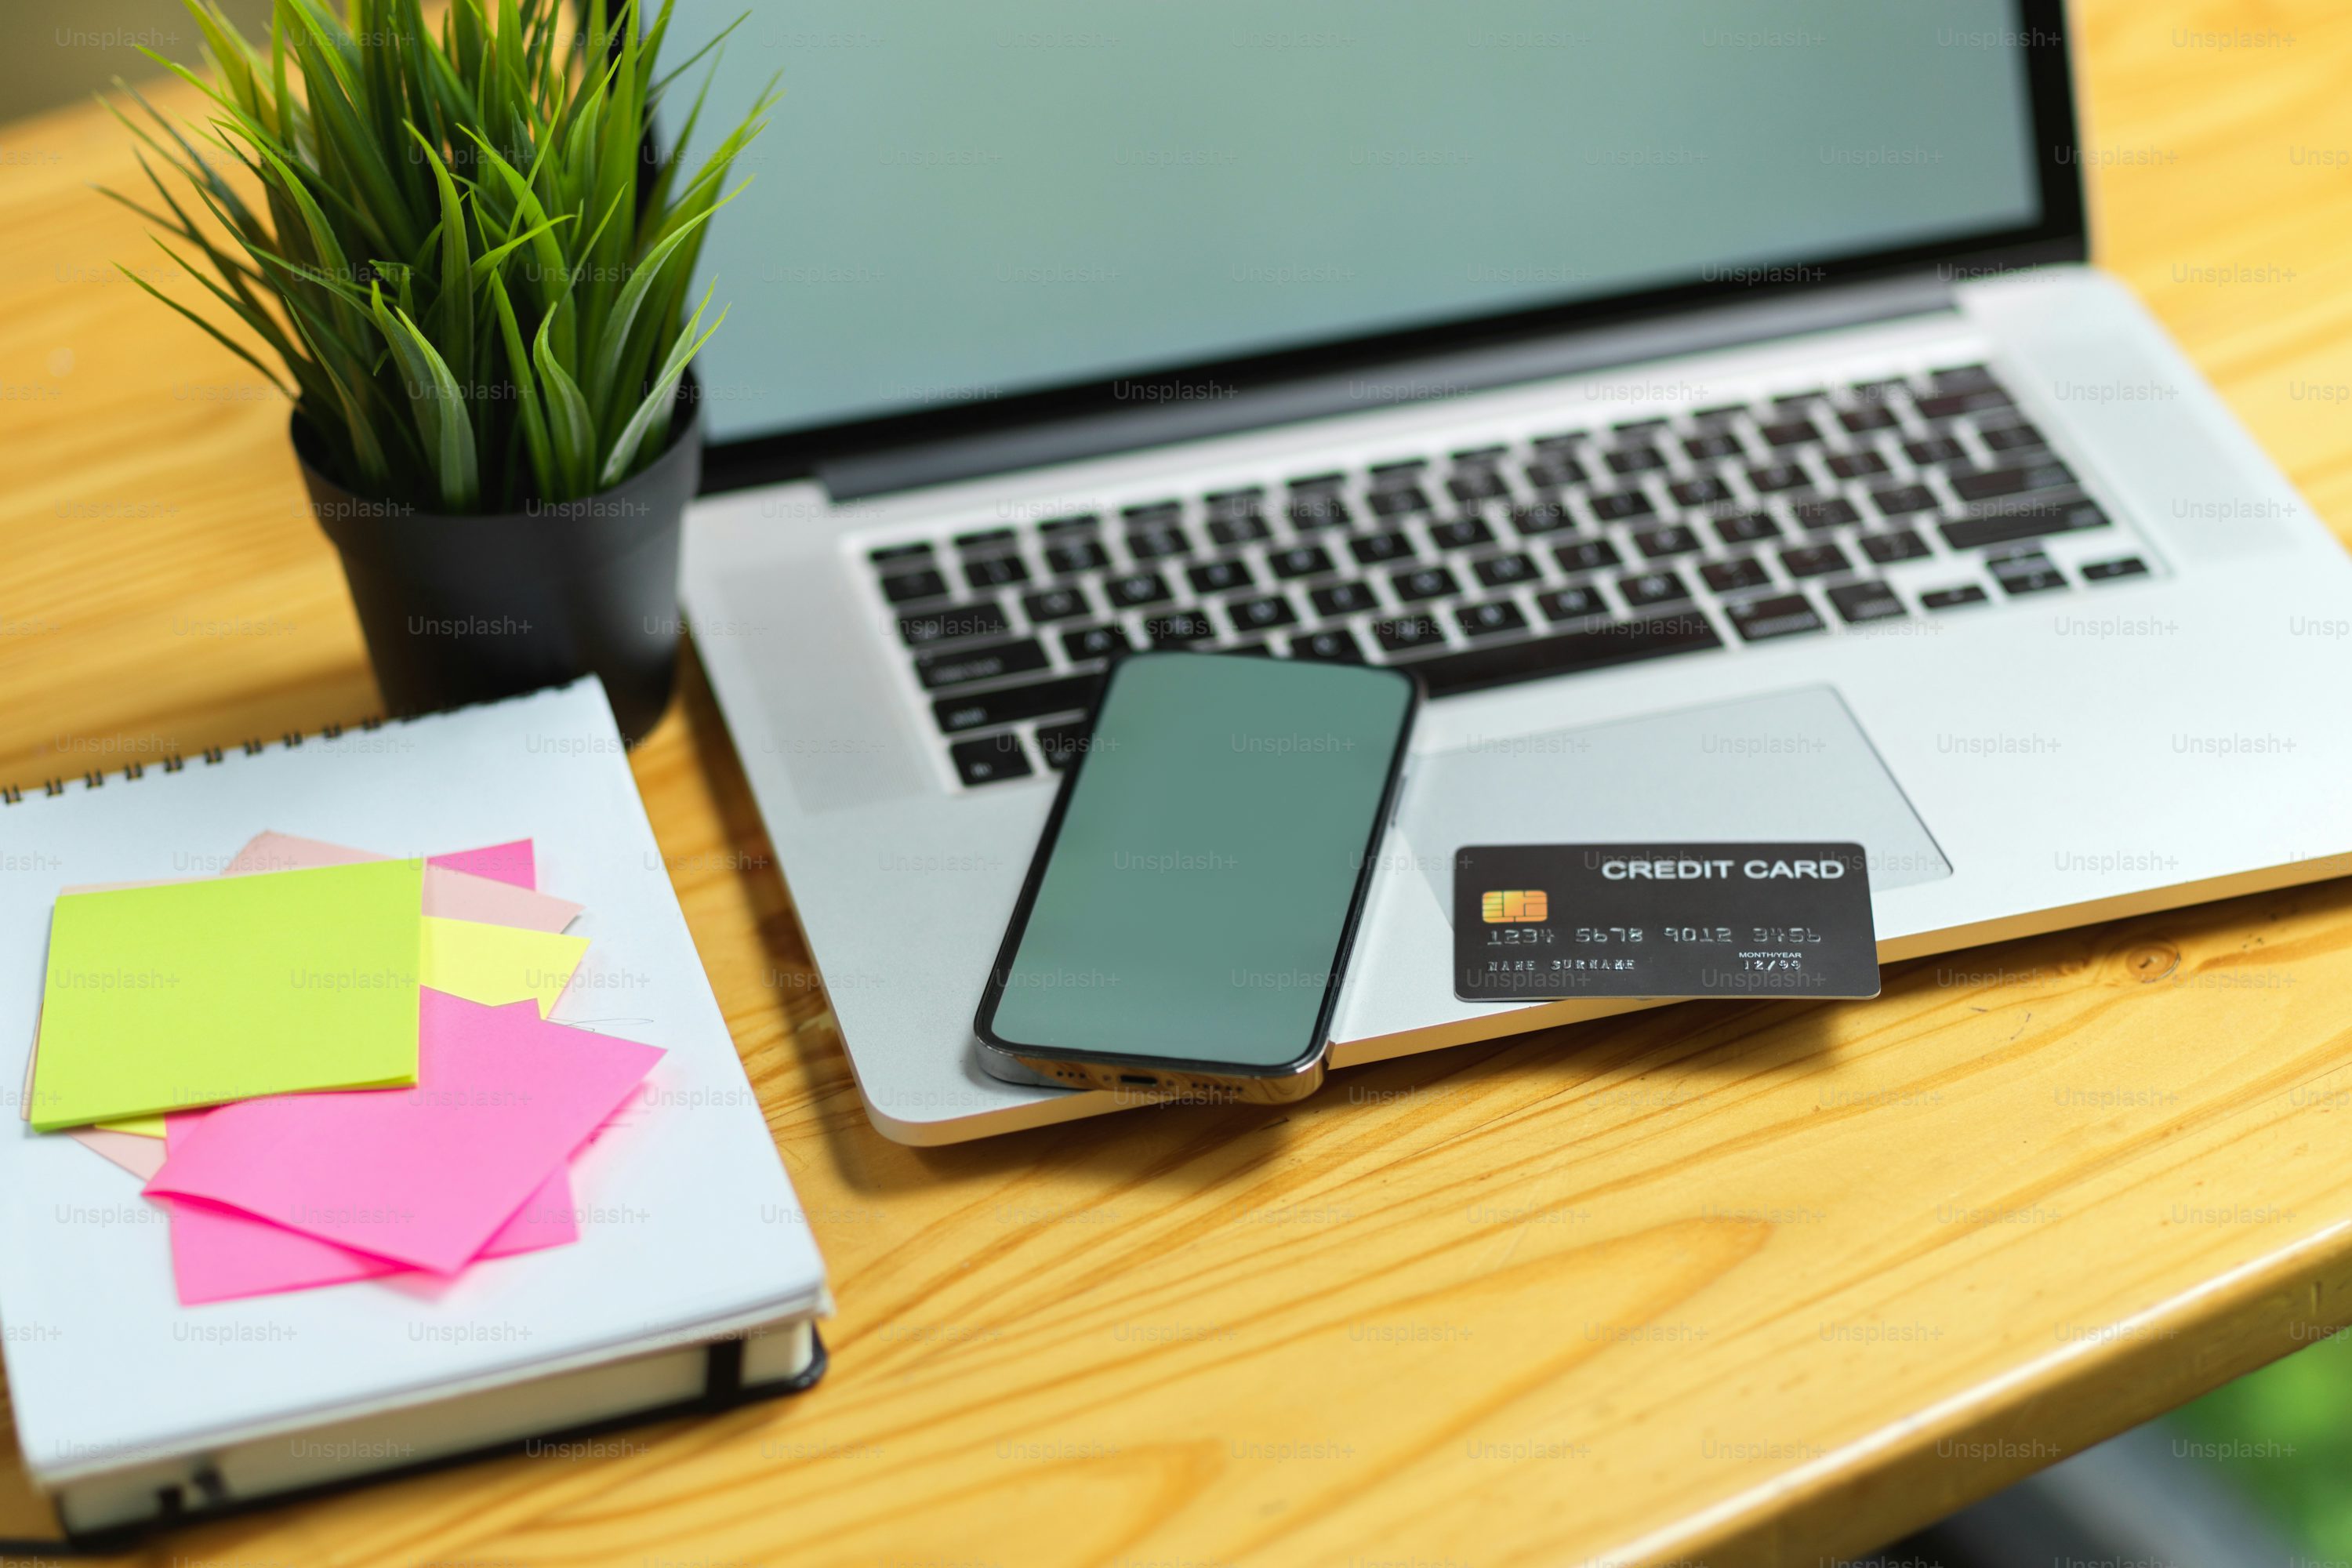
[1183, 930]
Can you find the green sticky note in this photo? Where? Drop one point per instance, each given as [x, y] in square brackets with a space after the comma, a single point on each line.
[188, 994]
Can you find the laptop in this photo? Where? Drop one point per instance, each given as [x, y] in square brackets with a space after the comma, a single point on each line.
[1719, 412]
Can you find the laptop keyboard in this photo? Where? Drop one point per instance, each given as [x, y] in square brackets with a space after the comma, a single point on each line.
[1654, 538]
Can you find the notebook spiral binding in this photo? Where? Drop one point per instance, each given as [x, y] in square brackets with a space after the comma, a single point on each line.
[12, 794]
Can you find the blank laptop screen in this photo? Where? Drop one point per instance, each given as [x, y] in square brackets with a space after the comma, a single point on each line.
[958, 202]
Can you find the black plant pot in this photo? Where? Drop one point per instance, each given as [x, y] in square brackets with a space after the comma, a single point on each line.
[466, 609]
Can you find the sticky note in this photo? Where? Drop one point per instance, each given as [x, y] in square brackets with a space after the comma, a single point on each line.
[221, 1254]
[449, 890]
[497, 964]
[196, 992]
[423, 1176]
[142, 1157]
[513, 864]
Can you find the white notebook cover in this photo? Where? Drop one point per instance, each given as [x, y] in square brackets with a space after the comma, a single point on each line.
[689, 1225]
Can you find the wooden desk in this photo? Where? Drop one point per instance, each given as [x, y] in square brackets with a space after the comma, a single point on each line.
[1744, 1284]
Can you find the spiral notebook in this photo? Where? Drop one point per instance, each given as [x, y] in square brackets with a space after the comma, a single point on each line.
[695, 1283]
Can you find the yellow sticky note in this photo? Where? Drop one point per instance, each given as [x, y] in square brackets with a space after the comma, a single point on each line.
[188, 994]
[138, 1126]
[497, 964]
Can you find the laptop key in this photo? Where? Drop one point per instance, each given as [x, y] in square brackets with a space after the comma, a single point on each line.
[1659, 543]
[1622, 504]
[1061, 744]
[906, 588]
[1330, 646]
[1403, 633]
[1962, 378]
[1858, 602]
[1857, 465]
[890, 556]
[1577, 603]
[1775, 477]
[1903, 501]
[1476, 484]
[982, 709]
[1899, 545]
[1792, 433]
[978, 619]
[1157, 543]
[1343, 598]
[2029, 517]
[1834, 512]
[1733, 575]
[1953, 598]
[1462, 533]
[985, 539]
[1648, 588]
[1243, 530]
[984, 572]
[1934, 449]
[2015, 438]
[2039, 580]
[1746, 528]
[1951, 404]
[1300, 561]
[1086, 643]
[1814, 561]
[1634, 460]
[1220, 576]
[1712, 445]
[1077, 555]
[1564, 653]
[1260, 615]
[1986, 484]
[1179, 629]
[1395, 500]
[1490, 620]
[1424, 583]
[1788, 614]
[1552, 473]
[1862, 420]
[991, 759]
[1054, 605]
[1587, 555]
[944, 668]
[1375, 548]
[1700, 492]
[2111, 571]
[1502, 571]
[1317, 510]
[1543, 518]
[1137, 588]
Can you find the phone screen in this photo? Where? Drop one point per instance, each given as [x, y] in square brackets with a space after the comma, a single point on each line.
[1195, 892]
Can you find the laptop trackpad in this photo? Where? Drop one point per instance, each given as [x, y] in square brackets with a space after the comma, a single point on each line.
[1788, 765]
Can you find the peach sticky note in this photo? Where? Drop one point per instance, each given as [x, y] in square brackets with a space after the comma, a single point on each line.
[225, 1255]
[426, 1176]
[449, 890]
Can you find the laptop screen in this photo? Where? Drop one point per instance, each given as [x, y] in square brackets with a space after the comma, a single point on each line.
[958, 203]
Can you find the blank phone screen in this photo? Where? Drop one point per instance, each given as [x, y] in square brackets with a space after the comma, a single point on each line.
[1194, 898]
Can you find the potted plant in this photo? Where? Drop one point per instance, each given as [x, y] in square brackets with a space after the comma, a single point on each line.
[475, 274]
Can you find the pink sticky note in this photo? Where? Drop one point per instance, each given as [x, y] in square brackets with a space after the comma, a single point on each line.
[454, 894]
[224, 1255]
[511, 863]
[426, 1175]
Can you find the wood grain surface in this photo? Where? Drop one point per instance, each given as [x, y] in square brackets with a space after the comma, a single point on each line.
[1722, 1283]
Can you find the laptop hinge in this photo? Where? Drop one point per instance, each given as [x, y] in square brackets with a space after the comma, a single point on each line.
[1451, 374]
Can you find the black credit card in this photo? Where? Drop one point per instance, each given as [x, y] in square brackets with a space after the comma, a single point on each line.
[1544, 921]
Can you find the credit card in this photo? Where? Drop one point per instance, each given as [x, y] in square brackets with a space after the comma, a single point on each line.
[1537, 923]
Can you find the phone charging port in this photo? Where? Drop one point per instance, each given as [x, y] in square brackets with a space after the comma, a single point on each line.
[1139, 1080]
